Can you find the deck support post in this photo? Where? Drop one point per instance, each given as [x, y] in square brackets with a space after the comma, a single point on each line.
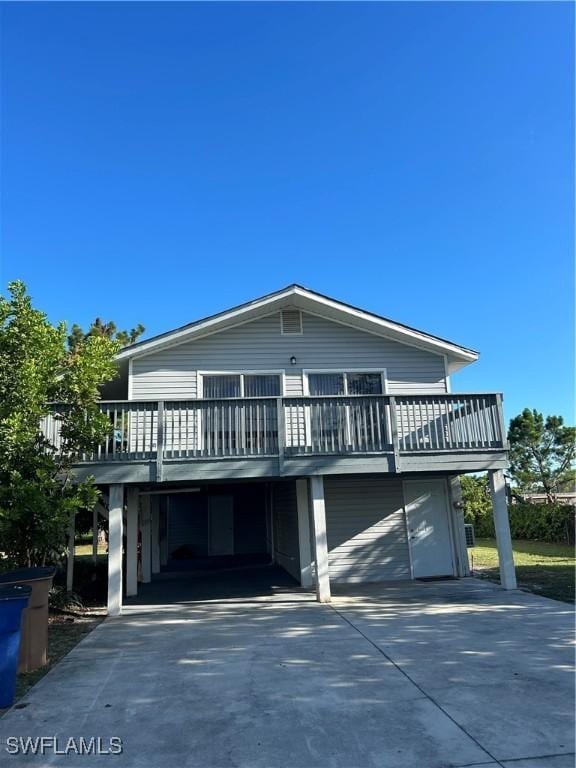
[155, 534]
[164, 532]
[320, 541]
[132, 541]
[502, 528]
[457, 512]
[115, 525]
[95, 535]
[71, 548]
[146, 538]
[303, 504]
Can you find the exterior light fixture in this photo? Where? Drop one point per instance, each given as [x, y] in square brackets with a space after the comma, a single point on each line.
[292, 360]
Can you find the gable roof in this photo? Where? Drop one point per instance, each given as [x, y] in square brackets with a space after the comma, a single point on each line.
[308, 301]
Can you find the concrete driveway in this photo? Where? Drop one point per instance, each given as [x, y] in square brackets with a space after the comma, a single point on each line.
[412, 676]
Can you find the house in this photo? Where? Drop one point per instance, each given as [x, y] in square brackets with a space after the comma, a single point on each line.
[298, 430]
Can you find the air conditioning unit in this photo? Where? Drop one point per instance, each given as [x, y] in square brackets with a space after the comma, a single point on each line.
[469, 532]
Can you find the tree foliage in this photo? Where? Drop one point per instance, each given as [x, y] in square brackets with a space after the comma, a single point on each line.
[475, 496]
[541, 453]
[38, 366]
[107, 330]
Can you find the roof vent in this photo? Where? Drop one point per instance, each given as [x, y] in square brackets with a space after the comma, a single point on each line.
[291, 322]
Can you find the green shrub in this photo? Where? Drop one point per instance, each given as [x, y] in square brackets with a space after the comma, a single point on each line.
[538, 522]
[90, 580]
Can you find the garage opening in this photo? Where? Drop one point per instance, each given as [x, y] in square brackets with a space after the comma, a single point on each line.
[218, 527]
[218, 541]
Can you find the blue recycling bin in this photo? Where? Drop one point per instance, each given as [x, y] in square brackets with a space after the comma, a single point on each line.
[13, 600]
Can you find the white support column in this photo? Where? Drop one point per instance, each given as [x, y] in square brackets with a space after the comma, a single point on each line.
[70, 557]
[502, 527]
[457, 511]
[320, 541]
[155, 534]
[115, 525]
[302, 502]
[95, 535]
[164, 537]
[132, 541]
[146, 538]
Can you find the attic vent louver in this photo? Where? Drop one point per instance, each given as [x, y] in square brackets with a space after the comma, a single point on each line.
[291, 322]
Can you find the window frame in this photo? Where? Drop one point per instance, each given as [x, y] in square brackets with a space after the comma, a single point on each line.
[200, 383]
[344, 372]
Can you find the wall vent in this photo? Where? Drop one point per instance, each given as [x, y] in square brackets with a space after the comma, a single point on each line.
[291, 320]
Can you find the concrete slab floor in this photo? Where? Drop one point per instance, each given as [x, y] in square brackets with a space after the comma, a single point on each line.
[407, 676]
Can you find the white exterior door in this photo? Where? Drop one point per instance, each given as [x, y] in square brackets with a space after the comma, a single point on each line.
[428, 528]
[221, 525]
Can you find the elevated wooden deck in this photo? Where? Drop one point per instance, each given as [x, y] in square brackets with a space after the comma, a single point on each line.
[162, 441]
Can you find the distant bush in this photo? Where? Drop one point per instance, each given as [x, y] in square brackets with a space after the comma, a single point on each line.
[538, 522]
[90, 580]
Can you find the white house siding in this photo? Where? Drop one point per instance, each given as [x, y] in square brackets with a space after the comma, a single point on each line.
[285, 527]
[170, 374]
[366, 529]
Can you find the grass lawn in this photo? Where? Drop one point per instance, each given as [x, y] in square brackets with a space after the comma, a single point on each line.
[543, 568]
[86, 549]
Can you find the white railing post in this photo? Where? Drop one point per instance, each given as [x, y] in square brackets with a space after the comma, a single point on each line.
[394, 433]
[159, 441]
[281, 433]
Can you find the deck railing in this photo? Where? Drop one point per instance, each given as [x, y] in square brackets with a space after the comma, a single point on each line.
[295, 426]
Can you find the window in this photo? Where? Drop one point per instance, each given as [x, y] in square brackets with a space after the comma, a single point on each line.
[261, 385]
[226, 385]
[239, 428]
[326, 384]
[221, 386]
[335, 425]
[364, 383]
[350, 383]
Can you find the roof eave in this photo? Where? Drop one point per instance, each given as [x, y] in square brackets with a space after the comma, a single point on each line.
[305, 299]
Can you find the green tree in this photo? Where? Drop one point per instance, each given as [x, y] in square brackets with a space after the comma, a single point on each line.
[475, 496]
[38, 490]
[541, 453]
[107, 330]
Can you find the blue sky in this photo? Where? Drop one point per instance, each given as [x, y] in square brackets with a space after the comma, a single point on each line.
[161, 162]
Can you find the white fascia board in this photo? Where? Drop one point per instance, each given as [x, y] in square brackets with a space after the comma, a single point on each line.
[313, 303]
[226, 319]
[390, 329]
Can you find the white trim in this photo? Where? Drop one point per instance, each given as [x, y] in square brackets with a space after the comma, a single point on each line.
[130, 387]
[419, 338]
[448, 385]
